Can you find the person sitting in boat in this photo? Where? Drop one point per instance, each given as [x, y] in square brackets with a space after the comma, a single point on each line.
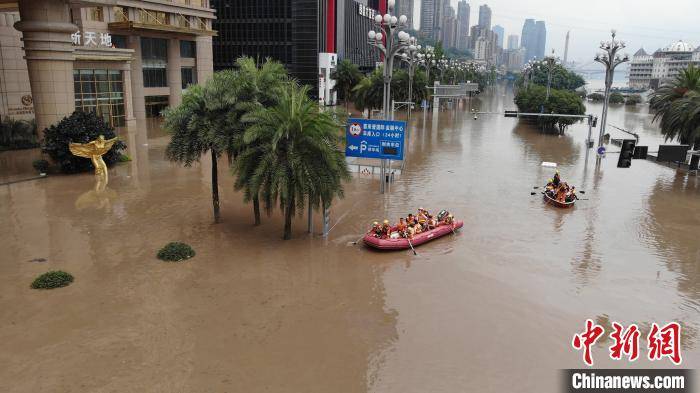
[449, 219]
[432, 222]
[418, 228]
[571, 195]
[401, 227]
[556, 179]
[411, 231]
[560, 194]
[411, 219]
[376, 230]
[386, 229]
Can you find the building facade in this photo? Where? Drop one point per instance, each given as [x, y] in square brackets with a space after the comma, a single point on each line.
[427, 17]
[405, 7]
[513, 59]
[651, 71]
[124, 60]
[513, 42]
[534, 39]
[291, 32]
[640, 70]
[354, 20]
[485, 17]
[449, 29]
[500, 33]
[463, 11]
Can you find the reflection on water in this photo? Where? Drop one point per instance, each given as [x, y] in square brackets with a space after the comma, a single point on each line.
[472, 312]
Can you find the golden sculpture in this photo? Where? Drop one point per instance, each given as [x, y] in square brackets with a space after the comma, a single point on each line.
[94, 150]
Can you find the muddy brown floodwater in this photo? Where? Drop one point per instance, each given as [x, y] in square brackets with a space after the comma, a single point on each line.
[491, 309]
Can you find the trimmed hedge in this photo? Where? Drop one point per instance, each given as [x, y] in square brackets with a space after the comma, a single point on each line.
[52, 279]
[175, 252]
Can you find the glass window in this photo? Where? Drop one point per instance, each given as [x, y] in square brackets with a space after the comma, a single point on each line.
[120, 14]
[154, 54]
[152, 17]
[188, 49]
[101, 92]
[95, 13]
[189, 76]
[119, 41]
[155, 77]
[155, 105]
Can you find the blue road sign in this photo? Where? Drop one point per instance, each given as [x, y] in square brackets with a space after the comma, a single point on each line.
[601, 151]
[424, 104]
[375, 139]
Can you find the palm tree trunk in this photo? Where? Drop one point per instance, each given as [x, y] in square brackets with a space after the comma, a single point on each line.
[288, 219]
[215, 186]
[256, 209]
[346, 96]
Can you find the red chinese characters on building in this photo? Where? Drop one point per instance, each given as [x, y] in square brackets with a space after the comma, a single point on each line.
[586, 339]
[665, 342]
[661, 342]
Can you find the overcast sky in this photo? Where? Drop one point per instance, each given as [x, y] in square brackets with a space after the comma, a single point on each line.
[641, 23]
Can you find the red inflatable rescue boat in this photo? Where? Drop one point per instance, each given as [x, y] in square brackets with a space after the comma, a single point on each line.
[402, 243]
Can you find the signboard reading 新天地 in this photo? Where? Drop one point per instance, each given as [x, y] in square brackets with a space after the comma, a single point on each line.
[383, 139]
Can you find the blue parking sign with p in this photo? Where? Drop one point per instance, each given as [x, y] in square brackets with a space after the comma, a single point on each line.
[366, 138]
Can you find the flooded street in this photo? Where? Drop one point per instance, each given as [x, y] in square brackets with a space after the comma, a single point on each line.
[490, 309]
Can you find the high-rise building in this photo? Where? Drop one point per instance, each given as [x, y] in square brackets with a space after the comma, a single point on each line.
[427, 17]
[463, 11]
[475, 32]
[513, 42]
[405, 7]
[353, 21]
[534, 39]
[449, 28]
[294, 33]
[431, 18]
[500, 31]
[439, 18]
[485, 17]
[528, 39]
[541, 38]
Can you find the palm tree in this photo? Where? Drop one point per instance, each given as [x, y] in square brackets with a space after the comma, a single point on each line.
[205, 122]
[368, 93]
[264, 86]
[676, 106]
[293, 152]
[346, 75]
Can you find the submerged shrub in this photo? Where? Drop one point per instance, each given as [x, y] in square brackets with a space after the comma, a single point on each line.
[79, 127]
[175, 252]
[52, 279]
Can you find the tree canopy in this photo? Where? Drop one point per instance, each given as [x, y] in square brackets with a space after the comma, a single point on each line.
[677, 107]
[562, 78]
[533, 100]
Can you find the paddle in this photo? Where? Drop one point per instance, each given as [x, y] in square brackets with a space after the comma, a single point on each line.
[409, 243]
[358, 240]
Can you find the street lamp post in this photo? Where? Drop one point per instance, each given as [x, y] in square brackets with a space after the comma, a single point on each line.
[389, 39]
[610, 58]
[412, 57]
[551, 61]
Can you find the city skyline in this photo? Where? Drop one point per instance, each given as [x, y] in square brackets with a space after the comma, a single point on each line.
[635, 21]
